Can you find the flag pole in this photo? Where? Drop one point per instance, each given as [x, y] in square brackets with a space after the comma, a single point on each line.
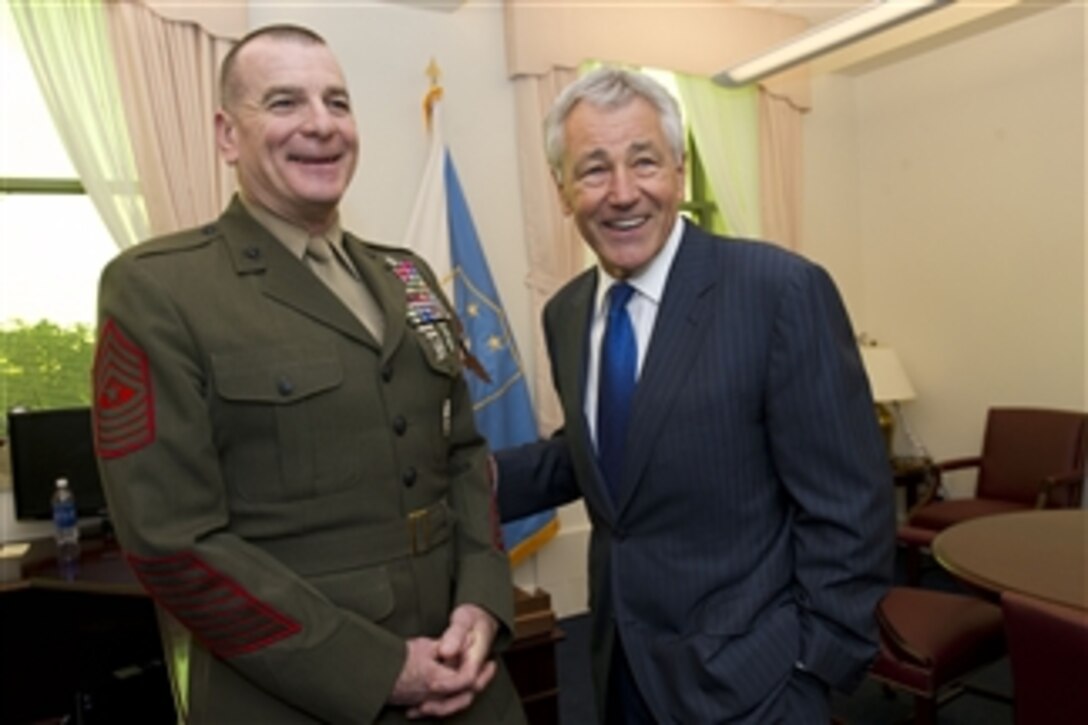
[434, 93]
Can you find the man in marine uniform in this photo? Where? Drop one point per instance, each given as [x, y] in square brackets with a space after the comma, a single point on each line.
[286, 437]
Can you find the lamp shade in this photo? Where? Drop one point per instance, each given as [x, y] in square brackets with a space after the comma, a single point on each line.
[887, 378]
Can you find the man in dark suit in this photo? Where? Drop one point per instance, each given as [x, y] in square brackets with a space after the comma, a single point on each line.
[287, 440]
[740, 496]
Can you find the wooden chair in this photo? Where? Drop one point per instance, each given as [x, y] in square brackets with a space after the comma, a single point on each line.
[1031, 458]
[930, 641]
[1048, 655]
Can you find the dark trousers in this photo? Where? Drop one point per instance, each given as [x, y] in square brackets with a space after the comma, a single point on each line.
[625, 703]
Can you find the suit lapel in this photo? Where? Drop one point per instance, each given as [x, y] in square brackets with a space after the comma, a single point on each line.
[572, 340]
[570, 332]
[679, 331]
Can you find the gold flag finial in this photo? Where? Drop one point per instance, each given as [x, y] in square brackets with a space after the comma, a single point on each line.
[434, 93]
[433, 72]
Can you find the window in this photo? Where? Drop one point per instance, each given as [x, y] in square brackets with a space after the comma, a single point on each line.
[53, 245]
[698, 202]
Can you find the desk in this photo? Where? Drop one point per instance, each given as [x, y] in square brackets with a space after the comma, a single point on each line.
[100, 570]
[1042, 554]
[66, 632]
[87, 632]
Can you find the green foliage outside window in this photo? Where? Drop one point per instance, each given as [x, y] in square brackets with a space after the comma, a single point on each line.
[44, 365]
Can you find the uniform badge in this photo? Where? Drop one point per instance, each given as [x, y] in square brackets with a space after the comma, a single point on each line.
[431, 319]
[426, 313]
[124, 402]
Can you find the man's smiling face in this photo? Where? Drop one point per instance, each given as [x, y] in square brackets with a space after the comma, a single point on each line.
[621, 183]
[290, 130]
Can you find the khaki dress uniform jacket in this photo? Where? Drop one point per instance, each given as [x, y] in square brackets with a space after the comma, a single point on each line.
[299, 497]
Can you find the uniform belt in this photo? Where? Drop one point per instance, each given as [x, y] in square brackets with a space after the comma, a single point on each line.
[365, 545]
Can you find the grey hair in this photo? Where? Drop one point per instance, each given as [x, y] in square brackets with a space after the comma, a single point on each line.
[609, 88]
[229, 83]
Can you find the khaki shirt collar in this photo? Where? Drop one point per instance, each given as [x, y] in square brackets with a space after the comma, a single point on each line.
[292, 236]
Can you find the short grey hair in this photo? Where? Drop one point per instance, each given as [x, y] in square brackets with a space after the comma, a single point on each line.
[610, 87]
[230, 85]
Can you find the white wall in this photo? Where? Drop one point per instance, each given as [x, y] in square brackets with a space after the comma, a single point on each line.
[946, 193]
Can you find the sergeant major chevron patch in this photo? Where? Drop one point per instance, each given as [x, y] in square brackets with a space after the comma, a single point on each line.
[124, 405]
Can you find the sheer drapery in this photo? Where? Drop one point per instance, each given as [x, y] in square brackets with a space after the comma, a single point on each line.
[781, 160]
[133, 96]
[68, 48]
[725, 124]
[169, 87]
[556, 252]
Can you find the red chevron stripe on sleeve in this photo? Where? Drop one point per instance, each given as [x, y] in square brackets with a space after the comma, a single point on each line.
[124, 409]
[219, 612]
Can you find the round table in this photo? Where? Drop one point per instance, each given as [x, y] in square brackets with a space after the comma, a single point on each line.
[1043, 554]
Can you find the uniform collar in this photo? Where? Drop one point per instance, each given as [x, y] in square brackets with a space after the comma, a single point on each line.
[291, 235]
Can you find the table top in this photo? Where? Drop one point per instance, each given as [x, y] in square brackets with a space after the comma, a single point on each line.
[1041, 553]
[100, 569]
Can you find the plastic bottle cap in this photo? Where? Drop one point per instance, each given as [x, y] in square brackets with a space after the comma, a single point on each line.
[62, 483]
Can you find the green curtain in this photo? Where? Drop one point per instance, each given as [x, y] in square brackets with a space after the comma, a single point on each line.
[725, 125]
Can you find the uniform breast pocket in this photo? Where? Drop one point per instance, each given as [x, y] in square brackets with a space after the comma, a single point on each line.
[272, 405]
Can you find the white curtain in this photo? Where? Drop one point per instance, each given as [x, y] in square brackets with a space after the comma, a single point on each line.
[169, 71]
[725, 124]
[782, 151]
[68, 47]
[556, 252]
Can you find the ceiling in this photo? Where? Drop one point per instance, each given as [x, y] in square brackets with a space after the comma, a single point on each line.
[816, 11]
[960, 19]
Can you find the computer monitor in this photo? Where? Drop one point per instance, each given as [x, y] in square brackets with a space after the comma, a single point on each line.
[46, 445]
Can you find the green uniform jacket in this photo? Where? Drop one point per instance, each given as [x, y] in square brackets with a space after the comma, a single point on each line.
[300, 498]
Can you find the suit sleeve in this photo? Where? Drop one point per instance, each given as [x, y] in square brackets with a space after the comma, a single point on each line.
[537, 476]
[168, 499]
[829, 453]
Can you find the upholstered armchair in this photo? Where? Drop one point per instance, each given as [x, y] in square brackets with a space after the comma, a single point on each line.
[1030, 458]
[1048, 655]
[930, 641]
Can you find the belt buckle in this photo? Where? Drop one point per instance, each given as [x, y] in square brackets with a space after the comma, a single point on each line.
[419, 535]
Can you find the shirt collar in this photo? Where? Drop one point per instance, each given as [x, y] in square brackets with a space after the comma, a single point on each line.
[290, 235]
[650, 282]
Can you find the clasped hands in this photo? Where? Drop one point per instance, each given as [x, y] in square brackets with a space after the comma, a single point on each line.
[443, 676]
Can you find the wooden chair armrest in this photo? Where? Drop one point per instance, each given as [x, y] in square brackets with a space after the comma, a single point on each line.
[932, 486]
[953, 464]
[1070, 485]
[930, 493]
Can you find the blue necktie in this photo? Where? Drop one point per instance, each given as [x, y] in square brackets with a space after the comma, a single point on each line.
[619, 354]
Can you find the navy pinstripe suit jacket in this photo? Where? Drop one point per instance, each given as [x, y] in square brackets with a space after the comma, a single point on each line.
[753, 532]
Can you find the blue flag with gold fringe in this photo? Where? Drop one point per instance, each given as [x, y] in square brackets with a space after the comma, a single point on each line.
[442, 231]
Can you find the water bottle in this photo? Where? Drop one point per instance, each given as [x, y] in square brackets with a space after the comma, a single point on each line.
[65, 522]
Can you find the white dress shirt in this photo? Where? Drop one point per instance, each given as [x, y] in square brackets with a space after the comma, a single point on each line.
[649, 286]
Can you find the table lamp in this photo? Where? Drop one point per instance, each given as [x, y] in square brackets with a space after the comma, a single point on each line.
[889, 383]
